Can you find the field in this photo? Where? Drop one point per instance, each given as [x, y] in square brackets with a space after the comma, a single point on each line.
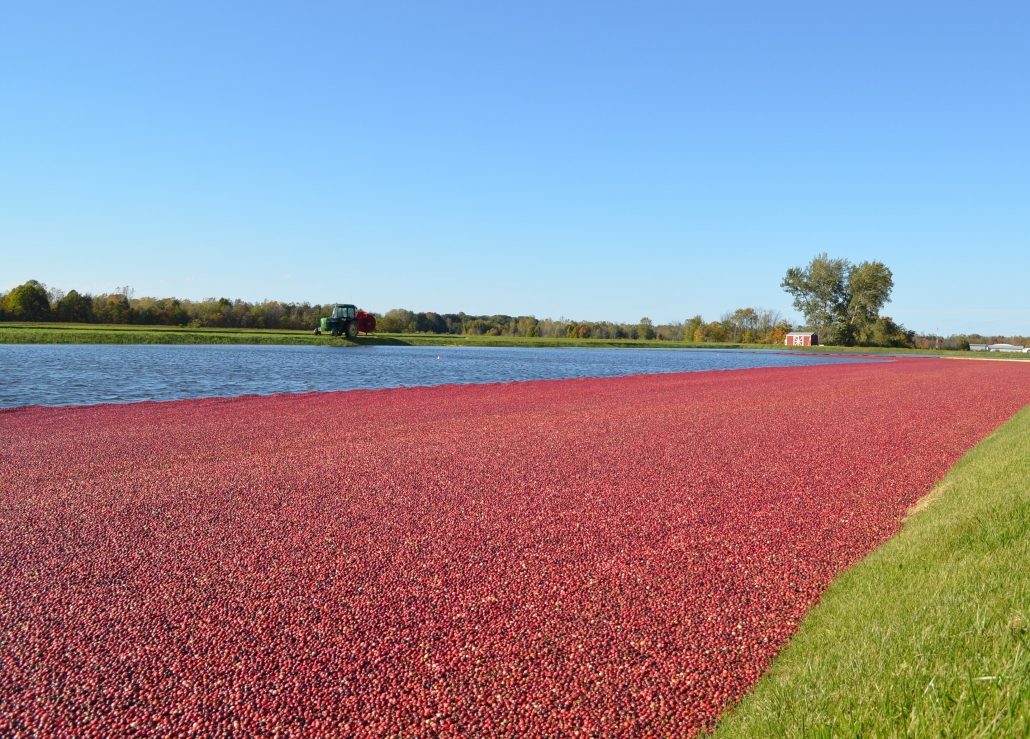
[620, 556]
[82, 333]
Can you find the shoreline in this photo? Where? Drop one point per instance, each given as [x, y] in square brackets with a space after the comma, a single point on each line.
[71, 333]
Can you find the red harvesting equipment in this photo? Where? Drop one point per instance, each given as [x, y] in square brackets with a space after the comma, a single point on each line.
[348, 321]
[366, 322]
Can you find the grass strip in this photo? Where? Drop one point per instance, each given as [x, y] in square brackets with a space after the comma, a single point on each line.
[181, 336]
[84, 333]
[930, 634]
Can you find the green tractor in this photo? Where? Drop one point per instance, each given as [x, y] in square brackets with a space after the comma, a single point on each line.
[347, 320]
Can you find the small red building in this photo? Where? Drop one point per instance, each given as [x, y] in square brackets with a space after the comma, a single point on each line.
[802, 338]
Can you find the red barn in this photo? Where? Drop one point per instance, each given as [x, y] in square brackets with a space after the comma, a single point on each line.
[801, 338]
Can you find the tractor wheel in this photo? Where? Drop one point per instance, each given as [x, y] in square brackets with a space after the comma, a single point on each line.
[352, 330]
[335, 332]
[318, 332]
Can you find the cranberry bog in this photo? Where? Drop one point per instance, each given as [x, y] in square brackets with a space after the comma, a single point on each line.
[619, 556]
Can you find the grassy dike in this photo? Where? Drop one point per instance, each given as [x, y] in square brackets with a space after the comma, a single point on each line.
[930, 634]
[82, 333]
[71, 333]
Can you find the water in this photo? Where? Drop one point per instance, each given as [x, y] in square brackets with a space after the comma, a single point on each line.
[86, 374]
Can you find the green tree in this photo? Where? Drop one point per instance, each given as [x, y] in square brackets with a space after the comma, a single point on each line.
[690, 327]
[751, 325]
[74, 307]
[884, 332]
[708, 332]
[396, 321]
[646, 329]
[820, 291]
[526, 325]
[840, 300]
[28, 302]
[869, 289]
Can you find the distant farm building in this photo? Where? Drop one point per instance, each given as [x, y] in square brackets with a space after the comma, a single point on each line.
[1003, 348]
[978, 347]
[801, 338]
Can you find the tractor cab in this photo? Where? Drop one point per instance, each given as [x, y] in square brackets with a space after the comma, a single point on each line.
[344, 312]
[347, 320]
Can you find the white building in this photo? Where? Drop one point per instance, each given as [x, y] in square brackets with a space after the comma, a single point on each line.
[1003, 348]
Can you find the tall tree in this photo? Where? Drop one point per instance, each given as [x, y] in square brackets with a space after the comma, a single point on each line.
[690, 327]
[869, 285]
[840, 300]
[820, 290]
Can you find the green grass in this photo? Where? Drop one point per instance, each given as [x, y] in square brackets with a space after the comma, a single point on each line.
[929, 636]
[82, 333]
[72, 333]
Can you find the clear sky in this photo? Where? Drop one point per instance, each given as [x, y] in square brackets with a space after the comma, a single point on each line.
[588, 160]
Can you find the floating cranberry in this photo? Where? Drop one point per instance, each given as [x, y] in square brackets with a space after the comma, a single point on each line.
[617, 556]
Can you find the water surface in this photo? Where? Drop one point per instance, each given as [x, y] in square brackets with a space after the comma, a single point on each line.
[82, 374]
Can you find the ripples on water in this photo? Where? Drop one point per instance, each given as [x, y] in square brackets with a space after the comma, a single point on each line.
[85, 374]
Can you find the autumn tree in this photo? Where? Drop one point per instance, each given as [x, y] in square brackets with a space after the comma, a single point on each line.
[28, 302]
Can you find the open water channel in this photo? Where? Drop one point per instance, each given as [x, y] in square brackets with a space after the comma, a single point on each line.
[85, 374]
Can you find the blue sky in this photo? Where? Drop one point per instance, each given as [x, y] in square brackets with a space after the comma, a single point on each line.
[588, 160]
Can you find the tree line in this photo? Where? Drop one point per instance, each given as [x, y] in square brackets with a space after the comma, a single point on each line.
[32, 301]
[840, 301]
[745, 325]
[962, 341]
